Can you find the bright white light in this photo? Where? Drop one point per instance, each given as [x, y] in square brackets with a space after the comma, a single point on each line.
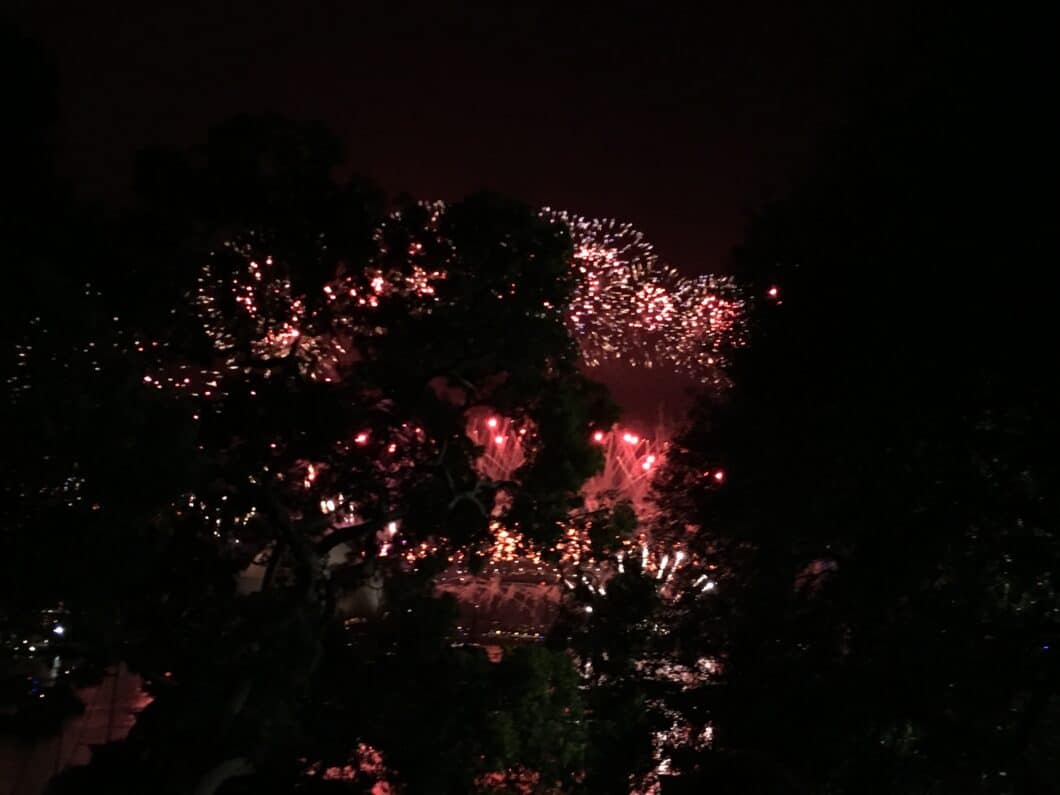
[58, 629]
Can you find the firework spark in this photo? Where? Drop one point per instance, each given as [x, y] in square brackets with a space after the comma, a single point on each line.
[628, 306]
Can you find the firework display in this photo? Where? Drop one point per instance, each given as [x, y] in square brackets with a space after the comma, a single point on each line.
[605, 253]
[630, 307]
[272, 342]
[626, 305]
[518, 590]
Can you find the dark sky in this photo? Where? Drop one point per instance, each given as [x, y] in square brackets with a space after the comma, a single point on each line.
[677, 120]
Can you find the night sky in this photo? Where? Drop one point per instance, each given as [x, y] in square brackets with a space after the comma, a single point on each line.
[678, 121]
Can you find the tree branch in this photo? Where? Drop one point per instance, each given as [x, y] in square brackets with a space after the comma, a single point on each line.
[269, 578]
[344, 534]
[214, 778]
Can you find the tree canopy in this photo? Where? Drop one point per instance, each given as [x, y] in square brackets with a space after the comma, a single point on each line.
[238, 456]
[282, 373]
[886, 606]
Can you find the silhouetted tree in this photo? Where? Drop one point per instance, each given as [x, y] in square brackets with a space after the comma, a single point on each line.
[326, 359]
[886, 605]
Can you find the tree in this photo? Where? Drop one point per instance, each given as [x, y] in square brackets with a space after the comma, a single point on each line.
[327, 359]
[450, 720]
[611, 634]
[885, 532]
[80, 480]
